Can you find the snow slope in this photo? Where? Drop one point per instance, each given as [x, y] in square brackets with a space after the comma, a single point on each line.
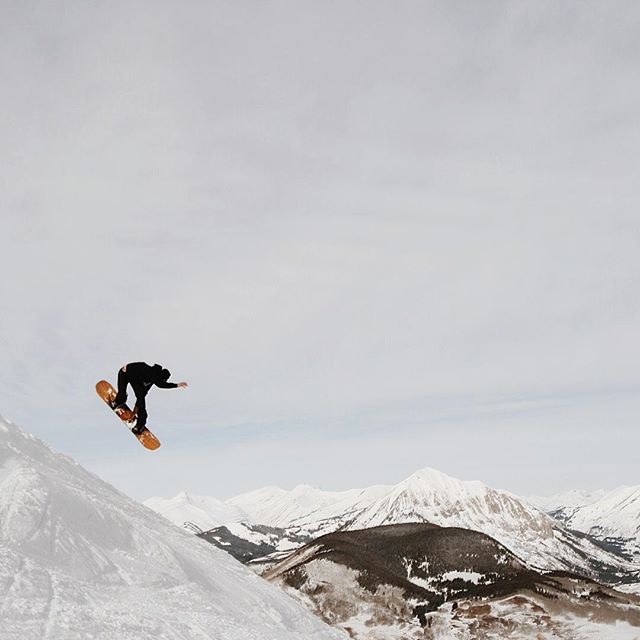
[79, 560]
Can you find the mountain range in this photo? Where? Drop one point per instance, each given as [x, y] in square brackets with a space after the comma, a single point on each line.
[276, 521]
[432, 557]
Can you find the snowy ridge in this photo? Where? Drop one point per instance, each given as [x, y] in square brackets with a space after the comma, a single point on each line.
[305, 507]
[78, 559]
[204, 511]
[566, 500]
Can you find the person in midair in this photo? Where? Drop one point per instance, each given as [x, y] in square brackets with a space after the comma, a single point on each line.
[141, 377]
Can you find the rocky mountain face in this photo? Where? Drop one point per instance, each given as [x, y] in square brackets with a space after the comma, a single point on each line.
[423, 581]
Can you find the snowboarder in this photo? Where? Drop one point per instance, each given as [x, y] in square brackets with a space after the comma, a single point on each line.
[141, 377]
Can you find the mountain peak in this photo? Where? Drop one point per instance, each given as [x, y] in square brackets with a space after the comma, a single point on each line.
[302, 489]
[430, 477]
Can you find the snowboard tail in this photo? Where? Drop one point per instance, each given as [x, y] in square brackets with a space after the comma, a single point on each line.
[106, 391]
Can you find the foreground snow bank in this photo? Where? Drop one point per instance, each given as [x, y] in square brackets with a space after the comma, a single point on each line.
[78, 559]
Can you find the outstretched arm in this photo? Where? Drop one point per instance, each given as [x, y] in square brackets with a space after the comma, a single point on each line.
[171, 385]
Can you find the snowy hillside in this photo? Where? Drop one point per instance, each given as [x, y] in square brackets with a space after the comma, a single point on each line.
[417, 581]
[80, 560]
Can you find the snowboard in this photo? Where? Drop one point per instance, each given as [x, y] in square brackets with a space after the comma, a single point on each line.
[108, 393]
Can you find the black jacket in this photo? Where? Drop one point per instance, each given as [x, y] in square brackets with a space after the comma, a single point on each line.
[142, 376]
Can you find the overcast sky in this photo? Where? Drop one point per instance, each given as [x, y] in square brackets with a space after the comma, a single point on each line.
[372, 236]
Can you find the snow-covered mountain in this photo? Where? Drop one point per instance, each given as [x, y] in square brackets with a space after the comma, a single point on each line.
[432, 496]
[306, 509]
[429, 496]
[78, 560]
[274, 520]
[612, 517]
[615, 514]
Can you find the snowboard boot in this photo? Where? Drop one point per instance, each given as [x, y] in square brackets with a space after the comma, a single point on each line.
[138, 429]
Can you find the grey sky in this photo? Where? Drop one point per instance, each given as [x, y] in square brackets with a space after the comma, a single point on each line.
[404, 234]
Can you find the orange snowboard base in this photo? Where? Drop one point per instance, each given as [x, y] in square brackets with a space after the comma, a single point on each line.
[108, 393]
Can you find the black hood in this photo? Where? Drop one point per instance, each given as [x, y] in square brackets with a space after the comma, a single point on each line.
[159, 373]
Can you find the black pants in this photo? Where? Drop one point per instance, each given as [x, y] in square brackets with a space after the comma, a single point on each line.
[138, 389]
